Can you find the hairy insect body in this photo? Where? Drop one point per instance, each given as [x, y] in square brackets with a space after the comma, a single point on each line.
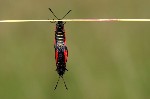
[61, 51]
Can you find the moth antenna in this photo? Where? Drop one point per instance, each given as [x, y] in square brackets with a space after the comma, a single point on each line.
[53, 13]
[57, 83]
[66, 14]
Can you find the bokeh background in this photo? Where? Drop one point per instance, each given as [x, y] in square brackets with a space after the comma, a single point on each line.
[107, 60]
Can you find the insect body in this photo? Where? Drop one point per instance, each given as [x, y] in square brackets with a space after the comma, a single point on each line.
[61, 51]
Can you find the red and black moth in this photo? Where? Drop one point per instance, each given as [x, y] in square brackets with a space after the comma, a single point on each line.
[61, 50]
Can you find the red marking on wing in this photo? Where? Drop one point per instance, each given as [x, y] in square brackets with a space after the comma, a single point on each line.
[56, 55]
[65, 55]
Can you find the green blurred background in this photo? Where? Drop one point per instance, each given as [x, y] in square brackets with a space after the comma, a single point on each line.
[107, 60]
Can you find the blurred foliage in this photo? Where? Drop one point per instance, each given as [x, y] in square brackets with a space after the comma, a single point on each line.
[106, 60]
